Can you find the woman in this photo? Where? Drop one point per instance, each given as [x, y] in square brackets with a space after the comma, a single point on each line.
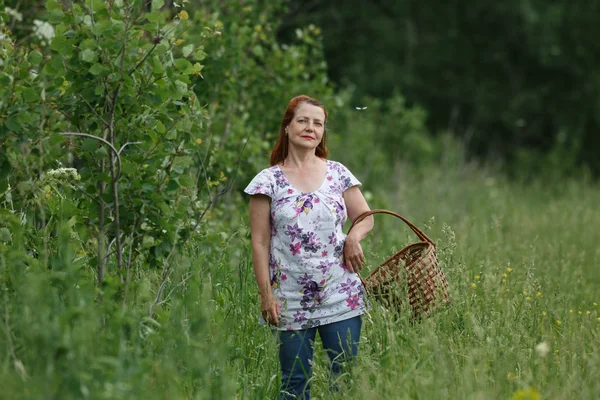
[305, 266]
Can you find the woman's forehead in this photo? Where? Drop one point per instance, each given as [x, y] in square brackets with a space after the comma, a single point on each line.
[310, 110]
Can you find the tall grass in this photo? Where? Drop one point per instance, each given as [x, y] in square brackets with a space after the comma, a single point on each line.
[522, 264]
[521, 261]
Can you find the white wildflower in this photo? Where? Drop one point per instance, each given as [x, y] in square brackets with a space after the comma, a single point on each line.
[542, 349]
[14, 13]
[43, 30]
[63, 173]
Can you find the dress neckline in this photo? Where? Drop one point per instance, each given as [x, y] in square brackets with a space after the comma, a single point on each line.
[300, 191]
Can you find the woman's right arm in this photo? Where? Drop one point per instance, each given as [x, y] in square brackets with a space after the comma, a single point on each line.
[260, 226]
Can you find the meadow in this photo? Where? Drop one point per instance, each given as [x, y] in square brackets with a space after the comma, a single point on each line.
[524, 322]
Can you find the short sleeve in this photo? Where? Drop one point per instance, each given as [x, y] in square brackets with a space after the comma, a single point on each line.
[261, 184]
[347, 179]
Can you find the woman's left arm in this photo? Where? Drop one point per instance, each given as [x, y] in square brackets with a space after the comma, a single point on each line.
[356, 205]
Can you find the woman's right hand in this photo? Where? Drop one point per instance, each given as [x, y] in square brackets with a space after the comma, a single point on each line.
[269, 308]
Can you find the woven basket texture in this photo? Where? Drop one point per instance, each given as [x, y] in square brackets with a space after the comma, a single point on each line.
[411, 274]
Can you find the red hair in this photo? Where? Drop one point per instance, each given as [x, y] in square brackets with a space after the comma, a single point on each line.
[280, 151]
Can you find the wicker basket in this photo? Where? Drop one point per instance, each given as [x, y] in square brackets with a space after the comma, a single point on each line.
[422, 278]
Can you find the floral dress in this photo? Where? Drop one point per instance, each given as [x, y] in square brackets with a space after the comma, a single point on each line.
[308, 274]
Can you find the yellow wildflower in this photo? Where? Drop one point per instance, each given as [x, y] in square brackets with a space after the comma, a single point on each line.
[525, 293]
[526, 394]
[477, 277]
[579, 312]
[504, 276]
[539, 294]
[528, 298]
[544, 313]
[587, 313]
[571, 311]
[474, 286]
[183, 15]
[558, 322]
[595, 304]
[509, 270]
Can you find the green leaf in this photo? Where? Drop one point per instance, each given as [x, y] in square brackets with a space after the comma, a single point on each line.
[60, 44]
[56, 138]
[101, 152]
[186, 181]
[258, 51]
[31, 95]
[98, 69]
[153, 17]
[187, 50]
[52, 5]
[88, 55]
[172, 134]
[147, 241]
[35, 57]
[13, 125]
[56, 16]
[157, 4]
[4, 235]
[157, 67]
[129, 167]
[98, 5]
[182, 64]
[172, 185]
[200, 54]
[90, 145]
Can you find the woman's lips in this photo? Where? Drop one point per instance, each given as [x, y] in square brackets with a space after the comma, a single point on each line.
[307, 137]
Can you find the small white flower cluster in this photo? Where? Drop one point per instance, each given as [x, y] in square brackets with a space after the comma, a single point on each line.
[542, 349]
[14, 13]
[43, 30]
[63, 173]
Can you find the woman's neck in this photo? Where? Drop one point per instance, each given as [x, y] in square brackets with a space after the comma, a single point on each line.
[300, 159]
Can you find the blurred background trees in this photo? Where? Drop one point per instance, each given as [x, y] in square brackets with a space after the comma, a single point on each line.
[516, 79]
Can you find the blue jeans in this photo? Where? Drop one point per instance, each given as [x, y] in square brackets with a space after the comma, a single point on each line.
[340, 341]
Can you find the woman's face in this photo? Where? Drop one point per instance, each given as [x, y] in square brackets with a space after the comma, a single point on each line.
[307, 127]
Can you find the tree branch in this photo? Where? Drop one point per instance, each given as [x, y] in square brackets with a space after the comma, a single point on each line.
[166, 272]
[87, 135]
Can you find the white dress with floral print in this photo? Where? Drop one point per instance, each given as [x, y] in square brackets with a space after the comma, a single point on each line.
[308, 275]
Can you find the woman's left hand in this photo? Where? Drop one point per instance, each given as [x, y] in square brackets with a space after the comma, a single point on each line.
[353, 254]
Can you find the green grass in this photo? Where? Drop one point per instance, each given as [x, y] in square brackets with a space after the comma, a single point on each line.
[61, 339]
[522, 264]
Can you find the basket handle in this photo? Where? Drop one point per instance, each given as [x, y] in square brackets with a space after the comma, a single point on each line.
[416, 230]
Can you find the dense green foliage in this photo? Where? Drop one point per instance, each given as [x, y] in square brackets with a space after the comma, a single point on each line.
[127, 130]
[507, 75]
